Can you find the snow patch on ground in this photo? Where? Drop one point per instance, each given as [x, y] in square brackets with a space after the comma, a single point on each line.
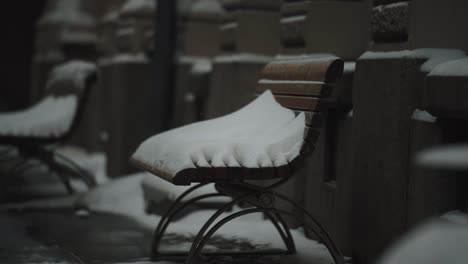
[124, 196]
[434, 242]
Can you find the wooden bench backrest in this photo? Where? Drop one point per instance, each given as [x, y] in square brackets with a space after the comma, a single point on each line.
[304, 85]
[69, 86]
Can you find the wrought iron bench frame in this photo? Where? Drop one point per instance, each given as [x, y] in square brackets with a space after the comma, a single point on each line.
[43, 148]
[312, 96]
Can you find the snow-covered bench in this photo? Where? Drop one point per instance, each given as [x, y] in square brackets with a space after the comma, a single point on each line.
[51, 121]
[265, 140]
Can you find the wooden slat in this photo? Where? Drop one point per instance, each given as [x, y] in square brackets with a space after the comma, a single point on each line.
[295, 88]
[301, 103]
[322, 70]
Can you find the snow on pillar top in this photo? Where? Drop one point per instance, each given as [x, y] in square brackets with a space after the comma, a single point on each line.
[138, 8]
[75, 71]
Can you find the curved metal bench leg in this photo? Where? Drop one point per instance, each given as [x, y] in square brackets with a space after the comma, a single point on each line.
[176, 203]
[16, 167]
[163, 225]
[215, 216]
[84, 175]
[284, 233]
[6, 155]
[290, 239]
[62, 171]
[316, 227]
[24, 167]
[196, 250]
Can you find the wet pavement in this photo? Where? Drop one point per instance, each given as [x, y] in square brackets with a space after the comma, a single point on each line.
[64, 237]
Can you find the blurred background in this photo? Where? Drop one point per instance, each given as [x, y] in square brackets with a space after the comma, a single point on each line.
[167, 63]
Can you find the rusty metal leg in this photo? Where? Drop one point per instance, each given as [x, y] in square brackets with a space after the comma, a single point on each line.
[164, 223]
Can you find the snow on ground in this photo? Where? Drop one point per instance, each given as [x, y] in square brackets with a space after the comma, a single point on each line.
[125, 196]
[431, 243]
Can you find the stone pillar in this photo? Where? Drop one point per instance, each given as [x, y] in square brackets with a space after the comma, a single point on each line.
[199, 28]
[199, 42]
[338, 27]
[63, 25]
[67, 31]
[128, 83]
[106, 28]
[136, 26]
[251, 26]
[438, 24]
[233, 82]
[342, 28]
